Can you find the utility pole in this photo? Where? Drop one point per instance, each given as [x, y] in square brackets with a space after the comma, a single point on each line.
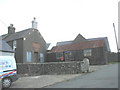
[115, 37]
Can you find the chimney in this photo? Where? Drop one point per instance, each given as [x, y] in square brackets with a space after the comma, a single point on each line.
[34, 23]
[11, 29]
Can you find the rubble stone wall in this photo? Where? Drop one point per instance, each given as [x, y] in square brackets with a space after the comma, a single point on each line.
[50, 68]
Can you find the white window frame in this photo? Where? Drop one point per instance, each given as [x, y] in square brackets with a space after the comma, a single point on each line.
[87, 52]
[28, 56]
[42, 58]
[14, 44]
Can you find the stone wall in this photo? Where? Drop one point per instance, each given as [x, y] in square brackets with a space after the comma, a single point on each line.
[112, 57]
[51, 68]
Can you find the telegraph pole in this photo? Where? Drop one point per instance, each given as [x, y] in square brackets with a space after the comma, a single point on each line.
[115, 37]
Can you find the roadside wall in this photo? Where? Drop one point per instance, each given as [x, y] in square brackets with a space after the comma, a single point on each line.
[51, 68]
[112, 57]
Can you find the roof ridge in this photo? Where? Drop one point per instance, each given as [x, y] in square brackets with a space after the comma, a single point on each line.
[78, 36]
[96, 38]
[17, 35]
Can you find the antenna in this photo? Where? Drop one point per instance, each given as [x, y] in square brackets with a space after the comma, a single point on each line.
[3, 23]
[115, 37]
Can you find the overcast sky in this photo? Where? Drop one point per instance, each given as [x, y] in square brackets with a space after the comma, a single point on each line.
[62, 20]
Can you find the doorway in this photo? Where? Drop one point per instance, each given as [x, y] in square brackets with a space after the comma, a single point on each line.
[36, 57]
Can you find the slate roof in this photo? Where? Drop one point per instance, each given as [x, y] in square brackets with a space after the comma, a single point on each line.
[5, 47]
[69, 42]
[99, 38]
[16, 35]
[78, 46]
[63, 43]
[47, 45]
[79, 35]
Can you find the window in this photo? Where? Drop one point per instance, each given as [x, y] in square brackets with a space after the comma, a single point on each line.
[29, 56]
[88, 52]
[41, 57]
[14, 45]
[59, 55]
[69, 56]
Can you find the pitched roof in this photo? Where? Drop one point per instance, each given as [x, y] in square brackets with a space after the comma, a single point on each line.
[91, 39]
[99, 38]
[16, 35]
[5, 47]
[79, 35]
[105, 39]
[63, 43]
[79, 39]
[78, 46]
[47, 45]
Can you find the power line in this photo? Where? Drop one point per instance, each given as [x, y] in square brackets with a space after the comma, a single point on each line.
[3, 23]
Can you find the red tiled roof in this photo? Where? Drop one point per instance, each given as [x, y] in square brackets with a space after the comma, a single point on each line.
[78, 46]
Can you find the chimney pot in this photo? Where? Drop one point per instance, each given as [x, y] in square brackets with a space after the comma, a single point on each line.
[34, 23]
[11, 29]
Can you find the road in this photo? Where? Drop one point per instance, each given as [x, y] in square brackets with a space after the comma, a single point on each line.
[46, 80]
[105, 78]
[41, 81]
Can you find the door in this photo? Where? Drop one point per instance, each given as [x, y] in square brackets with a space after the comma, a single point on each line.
[36, 57]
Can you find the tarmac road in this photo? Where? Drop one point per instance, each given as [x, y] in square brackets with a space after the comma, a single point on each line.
[107, 77]
[41, 81]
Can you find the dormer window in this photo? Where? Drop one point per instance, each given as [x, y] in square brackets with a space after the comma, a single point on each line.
[14, 45]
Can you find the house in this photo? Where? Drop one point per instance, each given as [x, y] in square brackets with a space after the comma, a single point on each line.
[29, 45]
[94, 49]
[5, 49]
